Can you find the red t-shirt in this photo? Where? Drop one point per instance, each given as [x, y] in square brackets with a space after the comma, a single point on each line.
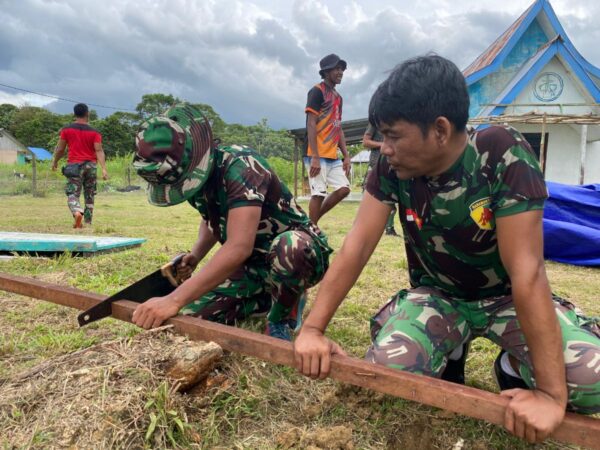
[80, 138]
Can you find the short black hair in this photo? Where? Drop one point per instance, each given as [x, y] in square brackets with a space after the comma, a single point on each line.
[419, 90]
[80, 110]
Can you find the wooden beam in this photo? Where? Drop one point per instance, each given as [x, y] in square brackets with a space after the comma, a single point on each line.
[583, 152]
[468, 401]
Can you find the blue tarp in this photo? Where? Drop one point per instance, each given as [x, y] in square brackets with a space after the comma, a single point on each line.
[572, 224]
[41, 154]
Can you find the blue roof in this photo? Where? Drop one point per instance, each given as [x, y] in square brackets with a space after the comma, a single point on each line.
[41, 154]
[533, 67]
[492, 58]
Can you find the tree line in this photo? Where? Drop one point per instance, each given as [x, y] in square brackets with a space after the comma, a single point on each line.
[38, 127]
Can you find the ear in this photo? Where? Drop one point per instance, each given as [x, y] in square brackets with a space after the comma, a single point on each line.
[443, 130]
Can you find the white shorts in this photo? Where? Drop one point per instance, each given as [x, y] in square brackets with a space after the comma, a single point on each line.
[332, 174]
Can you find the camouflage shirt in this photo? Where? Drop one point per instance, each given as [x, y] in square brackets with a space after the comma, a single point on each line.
[240, 178]
[449, 220]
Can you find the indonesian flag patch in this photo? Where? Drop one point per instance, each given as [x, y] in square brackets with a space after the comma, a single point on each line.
[412, 216]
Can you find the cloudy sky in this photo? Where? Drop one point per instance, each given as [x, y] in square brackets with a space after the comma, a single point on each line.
[248, 59]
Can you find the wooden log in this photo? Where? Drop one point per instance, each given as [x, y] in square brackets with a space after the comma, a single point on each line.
[575, 429]
[192, 363]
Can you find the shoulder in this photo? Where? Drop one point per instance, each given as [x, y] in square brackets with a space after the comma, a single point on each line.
[319, 87]
[80, 127]
[241, 155]
[316, 91]
[498, 139]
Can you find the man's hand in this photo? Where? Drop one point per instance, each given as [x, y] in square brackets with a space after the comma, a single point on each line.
[154, 312]
[532, 414]
[54, 166]
[104, 174]
[312, 352]
[315, 166]
[187, 266]
[347, 165]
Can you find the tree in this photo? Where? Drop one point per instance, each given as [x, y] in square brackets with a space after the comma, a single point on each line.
[7, 112]
[37, 127]
[217, 124]
[118, 133]
[260, 137]
[154, 104]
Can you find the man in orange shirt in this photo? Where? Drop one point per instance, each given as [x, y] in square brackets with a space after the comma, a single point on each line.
[324, 135]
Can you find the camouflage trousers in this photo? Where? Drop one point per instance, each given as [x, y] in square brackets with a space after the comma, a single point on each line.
[87, 181]
[274, 283]
[418, 328]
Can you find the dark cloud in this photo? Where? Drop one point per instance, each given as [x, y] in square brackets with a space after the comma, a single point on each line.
[248, 60]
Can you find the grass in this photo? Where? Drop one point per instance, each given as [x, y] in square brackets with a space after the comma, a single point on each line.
[263, 406]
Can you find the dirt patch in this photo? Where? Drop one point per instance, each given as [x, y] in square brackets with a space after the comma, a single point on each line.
[327, 438]
[414, 436]
[112, 395]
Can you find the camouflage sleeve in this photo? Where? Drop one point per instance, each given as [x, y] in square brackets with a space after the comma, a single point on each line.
[382, 182]
[519, 183]
[246, 182]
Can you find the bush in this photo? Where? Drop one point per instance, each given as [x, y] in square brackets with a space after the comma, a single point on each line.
[284, 170]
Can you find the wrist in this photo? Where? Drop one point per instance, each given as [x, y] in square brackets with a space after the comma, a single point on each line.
[558, 396]
[176, 300]
[313, 329]
[195, 257]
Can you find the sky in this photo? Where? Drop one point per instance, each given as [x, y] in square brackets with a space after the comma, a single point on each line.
[247, 59]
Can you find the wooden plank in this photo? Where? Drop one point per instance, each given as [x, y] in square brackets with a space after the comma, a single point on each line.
[468, 401]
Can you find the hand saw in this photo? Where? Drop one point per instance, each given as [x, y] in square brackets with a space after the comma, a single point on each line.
[158, 284]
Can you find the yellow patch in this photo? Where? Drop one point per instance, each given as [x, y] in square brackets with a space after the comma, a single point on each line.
[481, 213]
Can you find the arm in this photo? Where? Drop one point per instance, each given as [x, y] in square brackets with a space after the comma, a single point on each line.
[242, 224]
[205, 242]
[344, 152]
[101, 158]
[311, 131]
[59, 152]
[312, 349]
[534, 414]
[369, 143]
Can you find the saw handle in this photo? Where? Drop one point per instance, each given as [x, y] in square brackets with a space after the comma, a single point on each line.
[169, 270]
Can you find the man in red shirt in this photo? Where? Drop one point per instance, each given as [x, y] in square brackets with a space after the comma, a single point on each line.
[85, 150]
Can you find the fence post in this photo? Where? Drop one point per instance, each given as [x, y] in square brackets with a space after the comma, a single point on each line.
[33, 174]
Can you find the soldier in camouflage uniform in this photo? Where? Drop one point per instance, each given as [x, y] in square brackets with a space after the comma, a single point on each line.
[85, 150]
[270, 251]
[471, 211]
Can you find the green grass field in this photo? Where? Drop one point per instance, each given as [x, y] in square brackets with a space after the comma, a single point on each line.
[263, 404]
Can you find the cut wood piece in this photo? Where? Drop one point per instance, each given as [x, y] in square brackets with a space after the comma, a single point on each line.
[192, 363]
[575, 429]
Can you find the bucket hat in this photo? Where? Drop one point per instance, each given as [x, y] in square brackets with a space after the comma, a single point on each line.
[330, 62]
[174, 154]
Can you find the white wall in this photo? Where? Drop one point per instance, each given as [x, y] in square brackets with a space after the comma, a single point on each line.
[8, 156]
[564, 154]
[592, 163]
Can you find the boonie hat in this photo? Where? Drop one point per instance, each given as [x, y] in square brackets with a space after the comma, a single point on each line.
[174, 154]
[330, 61]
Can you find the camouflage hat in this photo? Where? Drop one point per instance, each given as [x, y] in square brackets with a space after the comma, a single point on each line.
[174, 154]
